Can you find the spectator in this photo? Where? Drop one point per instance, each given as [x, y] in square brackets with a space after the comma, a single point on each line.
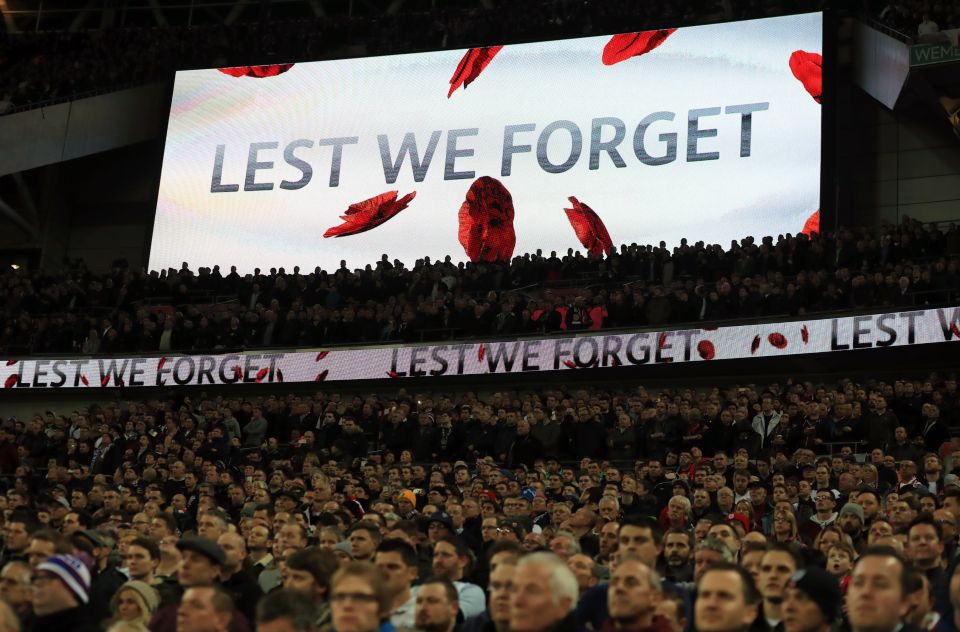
[60, 595]
[726, 599]
[545, 595]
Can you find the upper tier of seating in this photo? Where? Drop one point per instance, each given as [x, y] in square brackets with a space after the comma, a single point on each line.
[47, 66]
[123, 310]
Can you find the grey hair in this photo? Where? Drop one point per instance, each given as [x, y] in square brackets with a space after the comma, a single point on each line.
[683, 500]
[611, 498]
[716, 545]
[563, 583]
[23, 566]
[572, 539]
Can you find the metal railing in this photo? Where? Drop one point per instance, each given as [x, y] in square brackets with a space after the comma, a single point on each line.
[876, 24]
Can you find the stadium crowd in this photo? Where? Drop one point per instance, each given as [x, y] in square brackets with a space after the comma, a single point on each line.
[128, 311]
[37, 67]
[796, 507]
[917, 18]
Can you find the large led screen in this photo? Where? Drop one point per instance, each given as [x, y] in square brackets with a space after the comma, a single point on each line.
[708, 133]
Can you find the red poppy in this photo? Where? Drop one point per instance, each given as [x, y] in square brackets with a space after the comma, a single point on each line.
[808, 68]
[104, 380]
[161, 363]
[589, 228]
[805, 334]
[481, 352]
[662, 340]
[955, 329]
[11, 362]
[755, 344]
[626, 45]
[279, 375]
[393, 374]
[11, 381]
[238, 372]
[706, 350]
[812, 225]
[321, 376]
[262, 374]
[86, 382]
[778, 340]
[486, 221]
[367, 215]
[321, 355]
[270, 70]
[570, 364]
[470, 67]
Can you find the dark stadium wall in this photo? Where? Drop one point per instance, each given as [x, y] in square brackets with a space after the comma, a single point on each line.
[100, 208]
[902, 164]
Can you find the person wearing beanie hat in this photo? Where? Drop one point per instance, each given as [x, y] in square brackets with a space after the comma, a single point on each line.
[811, 601]
[61, 592]
[851, 520]
[134, 601]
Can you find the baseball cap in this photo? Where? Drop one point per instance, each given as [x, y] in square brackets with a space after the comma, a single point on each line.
[205, 547]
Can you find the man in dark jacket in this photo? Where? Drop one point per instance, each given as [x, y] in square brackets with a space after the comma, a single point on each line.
[525, 448]
[61, 590]
[236, 580]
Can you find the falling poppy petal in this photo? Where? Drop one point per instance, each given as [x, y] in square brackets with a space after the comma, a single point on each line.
[486, 221]
[481, 352]
[321, 355]
[470, 66]
[11, 381]
[11, 362]
[321, 376]
[778, 340]
[812, 225]
[161, 363]
[86, 382]
[662, 340]
[805, 334]
[570, 364]
[262, 374]
[626, 45]
[755, 344]
[279, 375]
[808, 68]
[259, 72]
[706, 350]
[368, 214]
[590, 229]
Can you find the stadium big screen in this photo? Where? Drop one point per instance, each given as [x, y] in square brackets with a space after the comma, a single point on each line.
[707, 132]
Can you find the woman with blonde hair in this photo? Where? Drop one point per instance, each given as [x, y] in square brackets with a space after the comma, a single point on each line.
[134, 602]
[785, 529]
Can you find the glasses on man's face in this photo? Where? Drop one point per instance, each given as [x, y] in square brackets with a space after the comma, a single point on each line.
[343, 597]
